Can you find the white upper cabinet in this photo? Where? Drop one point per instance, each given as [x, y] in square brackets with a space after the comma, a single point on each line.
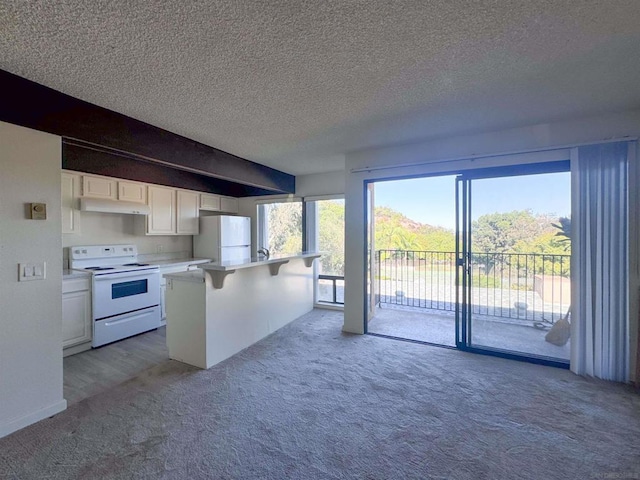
[218, 203]
[132, 192]
[99, 187]
[187, 213]
[228, 204]
[162, 219]
[173, 211]
[69, 204]
[210, 202]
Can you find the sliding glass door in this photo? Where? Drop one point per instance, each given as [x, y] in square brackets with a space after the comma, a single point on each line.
[513, 251]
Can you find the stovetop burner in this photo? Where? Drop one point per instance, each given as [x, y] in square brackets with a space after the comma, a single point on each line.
[107, 259]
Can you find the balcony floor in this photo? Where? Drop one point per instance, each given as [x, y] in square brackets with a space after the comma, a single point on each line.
[438, 327]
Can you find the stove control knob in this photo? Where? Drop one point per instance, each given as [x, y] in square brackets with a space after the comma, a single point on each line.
[76, 251]
[84, 251]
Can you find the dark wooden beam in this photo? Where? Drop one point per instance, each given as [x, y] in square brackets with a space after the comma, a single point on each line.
[91, 160]
[32, 105]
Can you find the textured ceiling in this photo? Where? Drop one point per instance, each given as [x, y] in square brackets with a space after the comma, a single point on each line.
[294, 84]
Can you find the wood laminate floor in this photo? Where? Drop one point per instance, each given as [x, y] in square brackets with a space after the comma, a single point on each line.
[92, 372]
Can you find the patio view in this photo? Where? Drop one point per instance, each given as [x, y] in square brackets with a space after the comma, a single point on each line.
[515, 298]
[512, 285]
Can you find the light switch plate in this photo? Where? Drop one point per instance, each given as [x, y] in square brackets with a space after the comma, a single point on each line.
[32, 271]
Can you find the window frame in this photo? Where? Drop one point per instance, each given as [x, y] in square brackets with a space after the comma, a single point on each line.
[262, 226]
[310, 213]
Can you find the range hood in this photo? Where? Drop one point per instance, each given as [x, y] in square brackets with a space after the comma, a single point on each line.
[113, 206]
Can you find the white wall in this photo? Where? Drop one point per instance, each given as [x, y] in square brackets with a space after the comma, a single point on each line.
[462, 153]
[30, 312]
[330, 183]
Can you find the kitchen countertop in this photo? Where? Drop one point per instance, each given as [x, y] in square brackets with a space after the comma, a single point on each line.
[219, 270]
[179, 262]
[254, 262]
[68, 274]
[196, 276]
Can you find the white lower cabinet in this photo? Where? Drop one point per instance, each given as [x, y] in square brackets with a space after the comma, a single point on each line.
[163, 293]
[163, 284]
[76, 312]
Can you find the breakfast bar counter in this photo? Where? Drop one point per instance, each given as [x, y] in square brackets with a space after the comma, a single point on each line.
[222, 308]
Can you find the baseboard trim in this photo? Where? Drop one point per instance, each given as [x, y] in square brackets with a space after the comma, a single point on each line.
[19, 423]
[325, 306]
[83, 347]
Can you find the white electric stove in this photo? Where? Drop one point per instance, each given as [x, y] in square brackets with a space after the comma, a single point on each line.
[126, 293]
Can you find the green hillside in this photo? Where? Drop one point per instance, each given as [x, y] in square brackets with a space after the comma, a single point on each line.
[394, 231]
[519, 231]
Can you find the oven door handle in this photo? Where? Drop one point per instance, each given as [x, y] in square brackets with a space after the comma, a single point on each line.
[125, 320]
[117, 276]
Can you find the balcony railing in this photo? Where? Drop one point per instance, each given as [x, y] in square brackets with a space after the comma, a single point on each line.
[528, 286]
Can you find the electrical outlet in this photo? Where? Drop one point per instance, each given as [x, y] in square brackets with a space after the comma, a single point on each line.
[159, 248]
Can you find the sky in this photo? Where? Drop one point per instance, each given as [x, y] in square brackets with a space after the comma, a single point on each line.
[432, 200]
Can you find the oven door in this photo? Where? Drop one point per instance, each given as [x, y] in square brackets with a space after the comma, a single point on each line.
[125, 325]
[114, 294]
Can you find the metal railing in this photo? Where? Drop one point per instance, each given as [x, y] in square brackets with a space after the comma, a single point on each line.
[518, 286]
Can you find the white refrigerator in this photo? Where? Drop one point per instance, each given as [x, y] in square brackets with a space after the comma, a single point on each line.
[223, 238]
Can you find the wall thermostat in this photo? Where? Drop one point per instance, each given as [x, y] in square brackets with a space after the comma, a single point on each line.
[38, 211]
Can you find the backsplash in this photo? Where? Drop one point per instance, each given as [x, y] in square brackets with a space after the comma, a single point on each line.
[159, 257]
[109, 228]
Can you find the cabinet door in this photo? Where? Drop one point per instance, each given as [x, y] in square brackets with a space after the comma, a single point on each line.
[187, 221]
[69, 203]
[229, 204]
[99, 187]
[163, 294]
[76, 318]
[132, 192]
[210, 202]
[162, 219]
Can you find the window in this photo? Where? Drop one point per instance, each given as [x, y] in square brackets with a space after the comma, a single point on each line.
[280, 227]
[326, 234]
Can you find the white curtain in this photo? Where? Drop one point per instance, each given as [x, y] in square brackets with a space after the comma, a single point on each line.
[600, 261]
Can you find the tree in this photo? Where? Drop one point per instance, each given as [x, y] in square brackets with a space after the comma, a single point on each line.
[285, 227]
[564, 227]
[331, 236]
[500, 232]
[519, 232]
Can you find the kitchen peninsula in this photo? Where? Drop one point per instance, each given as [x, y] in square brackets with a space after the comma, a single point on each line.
[224, 307]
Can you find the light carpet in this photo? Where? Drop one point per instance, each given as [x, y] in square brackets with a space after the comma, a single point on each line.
[312, 402]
